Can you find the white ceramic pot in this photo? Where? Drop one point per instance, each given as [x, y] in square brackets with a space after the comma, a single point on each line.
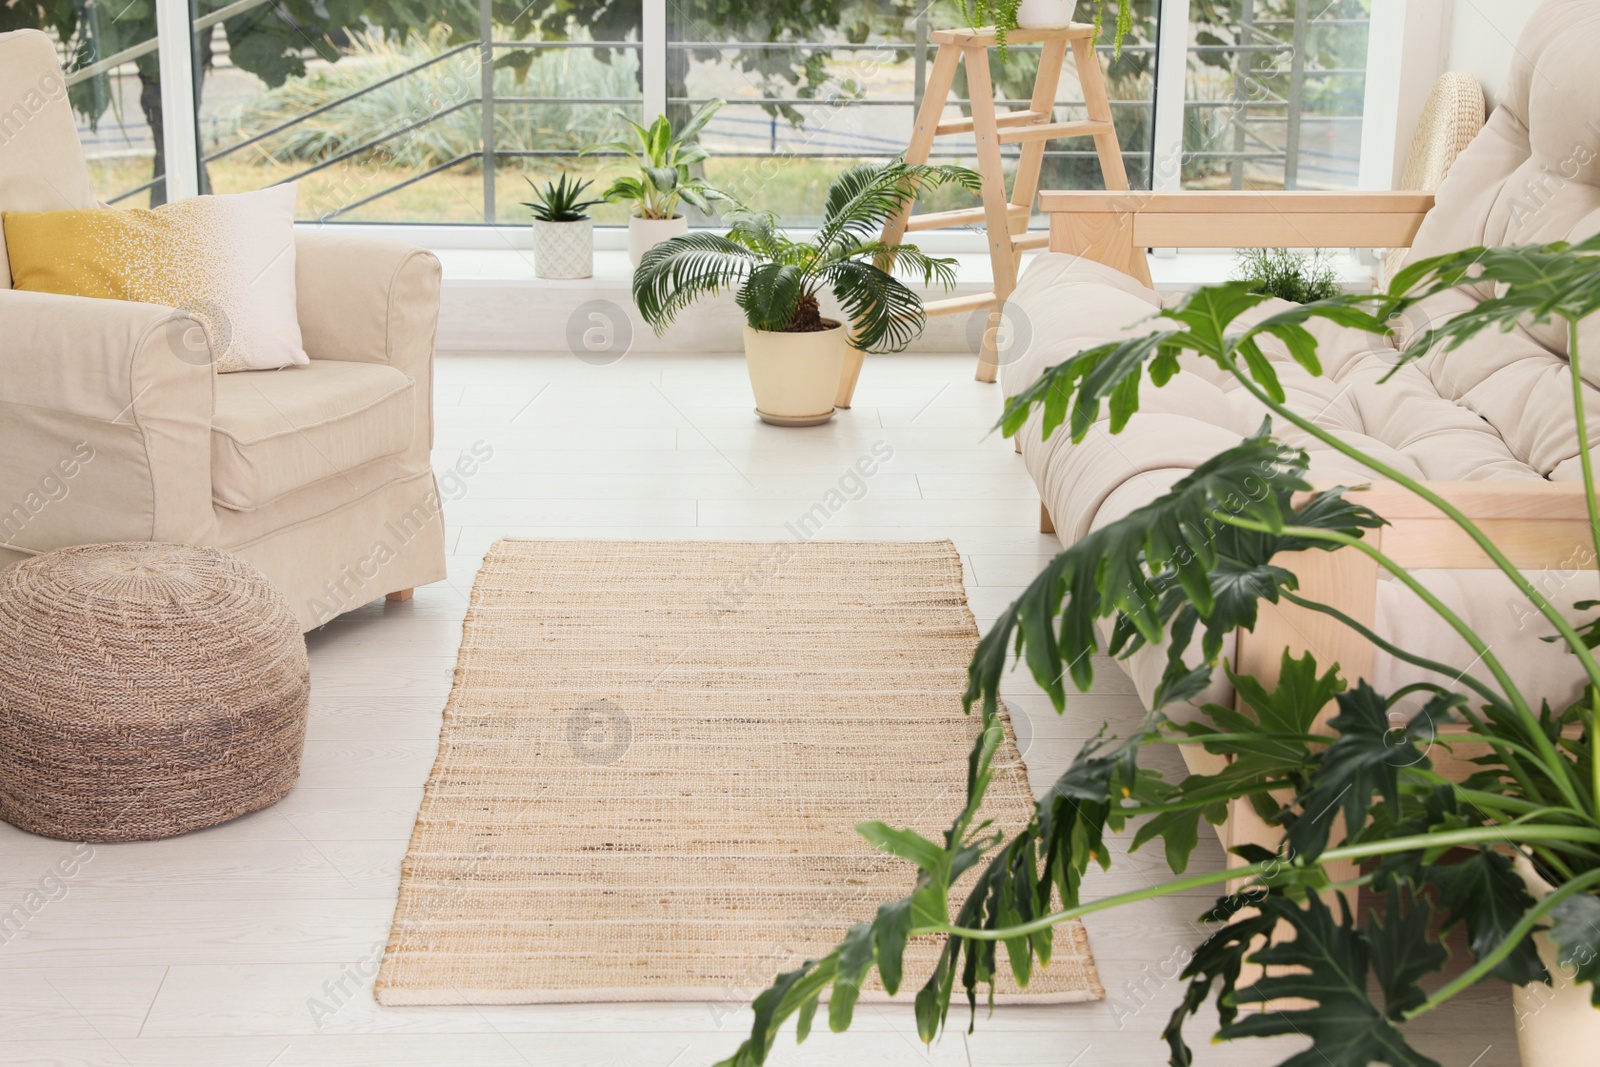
[1553, 1021]
[1045, 14]
[645, 234]
[795, 376]
[563, 249]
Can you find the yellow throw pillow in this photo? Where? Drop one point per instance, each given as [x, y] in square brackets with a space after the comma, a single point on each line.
[227, 260]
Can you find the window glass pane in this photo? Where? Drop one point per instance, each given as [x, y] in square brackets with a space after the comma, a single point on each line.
[1275, 93]
[380, 118]
[812, 89]
[113, 79]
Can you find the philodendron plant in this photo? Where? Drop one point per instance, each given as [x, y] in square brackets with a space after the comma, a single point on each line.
[1199, 561]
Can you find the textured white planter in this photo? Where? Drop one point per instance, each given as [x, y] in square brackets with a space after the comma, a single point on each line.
[1045, 14]
[795, 376]
[645, 234]
[563, 249]
[1553, 1021]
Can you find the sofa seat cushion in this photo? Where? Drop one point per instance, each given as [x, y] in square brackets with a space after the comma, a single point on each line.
[278, 431]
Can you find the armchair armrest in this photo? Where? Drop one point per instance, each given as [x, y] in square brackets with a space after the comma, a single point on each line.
[367, 300]
[1108, 226]
[105, 423]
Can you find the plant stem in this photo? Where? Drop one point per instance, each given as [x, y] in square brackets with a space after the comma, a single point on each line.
[1393, 649]
[1513, 938]
[1581, 420]
[1438, 840]
[1580, 416]
[1490, 549]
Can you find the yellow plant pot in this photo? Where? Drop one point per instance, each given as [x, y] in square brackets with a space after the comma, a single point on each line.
[795, 376]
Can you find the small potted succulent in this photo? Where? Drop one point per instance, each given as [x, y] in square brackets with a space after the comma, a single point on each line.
[563, 236]
[797, 358]
[663, 179]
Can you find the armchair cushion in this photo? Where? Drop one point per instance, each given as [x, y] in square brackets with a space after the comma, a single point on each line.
[278, 431]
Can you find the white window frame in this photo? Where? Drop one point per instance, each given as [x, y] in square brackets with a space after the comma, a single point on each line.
[180, 140]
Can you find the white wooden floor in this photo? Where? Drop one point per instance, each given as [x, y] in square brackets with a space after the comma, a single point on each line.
[255, 943]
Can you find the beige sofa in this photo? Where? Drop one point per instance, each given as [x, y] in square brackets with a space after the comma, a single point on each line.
[113, 425]
[1490, 424]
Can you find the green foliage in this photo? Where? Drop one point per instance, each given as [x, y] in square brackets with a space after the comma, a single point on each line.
[559, 201]
[1191, 566]
[777, 278]
[1331, 963]
[1575, 928]
[1298, 277]
[448, 89]
[664, 157]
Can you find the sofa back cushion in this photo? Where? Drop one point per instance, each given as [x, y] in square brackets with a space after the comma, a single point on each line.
[1531, 177]
[41, 161]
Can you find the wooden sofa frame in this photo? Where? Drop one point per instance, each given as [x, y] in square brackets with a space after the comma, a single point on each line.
[1538, 526]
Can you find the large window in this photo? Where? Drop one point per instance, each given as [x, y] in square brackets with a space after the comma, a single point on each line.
[113, 65]
[386, 114]
[385, 110]
[1274, 94]
[814, 88]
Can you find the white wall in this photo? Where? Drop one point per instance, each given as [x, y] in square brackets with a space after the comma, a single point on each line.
[1412, 43]
[1406, 53]
[1483, 35]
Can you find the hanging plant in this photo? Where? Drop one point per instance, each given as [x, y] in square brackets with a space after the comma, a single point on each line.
[1003, 16]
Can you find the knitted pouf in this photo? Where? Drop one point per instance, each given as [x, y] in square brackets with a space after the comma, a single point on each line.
[145, 690]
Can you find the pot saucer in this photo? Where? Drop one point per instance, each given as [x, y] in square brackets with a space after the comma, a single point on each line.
[795, 420]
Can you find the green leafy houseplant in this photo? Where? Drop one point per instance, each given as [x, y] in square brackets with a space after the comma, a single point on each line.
[560, 200]
[1198, 562]
[778, 278]
[1298, 277]
[664, 157]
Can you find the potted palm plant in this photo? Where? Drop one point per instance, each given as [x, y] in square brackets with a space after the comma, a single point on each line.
[795, 356]
[664, 178]
[1510, 851]
[563, 235]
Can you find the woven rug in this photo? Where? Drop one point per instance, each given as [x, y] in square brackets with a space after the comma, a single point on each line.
[653, 759]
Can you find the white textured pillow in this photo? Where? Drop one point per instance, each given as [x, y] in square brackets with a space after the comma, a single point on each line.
[229, 260]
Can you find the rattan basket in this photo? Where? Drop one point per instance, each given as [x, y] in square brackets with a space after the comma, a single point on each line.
[145, 690]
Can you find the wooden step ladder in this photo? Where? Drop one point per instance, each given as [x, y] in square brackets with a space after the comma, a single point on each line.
[1005, 217]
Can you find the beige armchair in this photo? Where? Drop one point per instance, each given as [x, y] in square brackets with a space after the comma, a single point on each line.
[114, 425]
